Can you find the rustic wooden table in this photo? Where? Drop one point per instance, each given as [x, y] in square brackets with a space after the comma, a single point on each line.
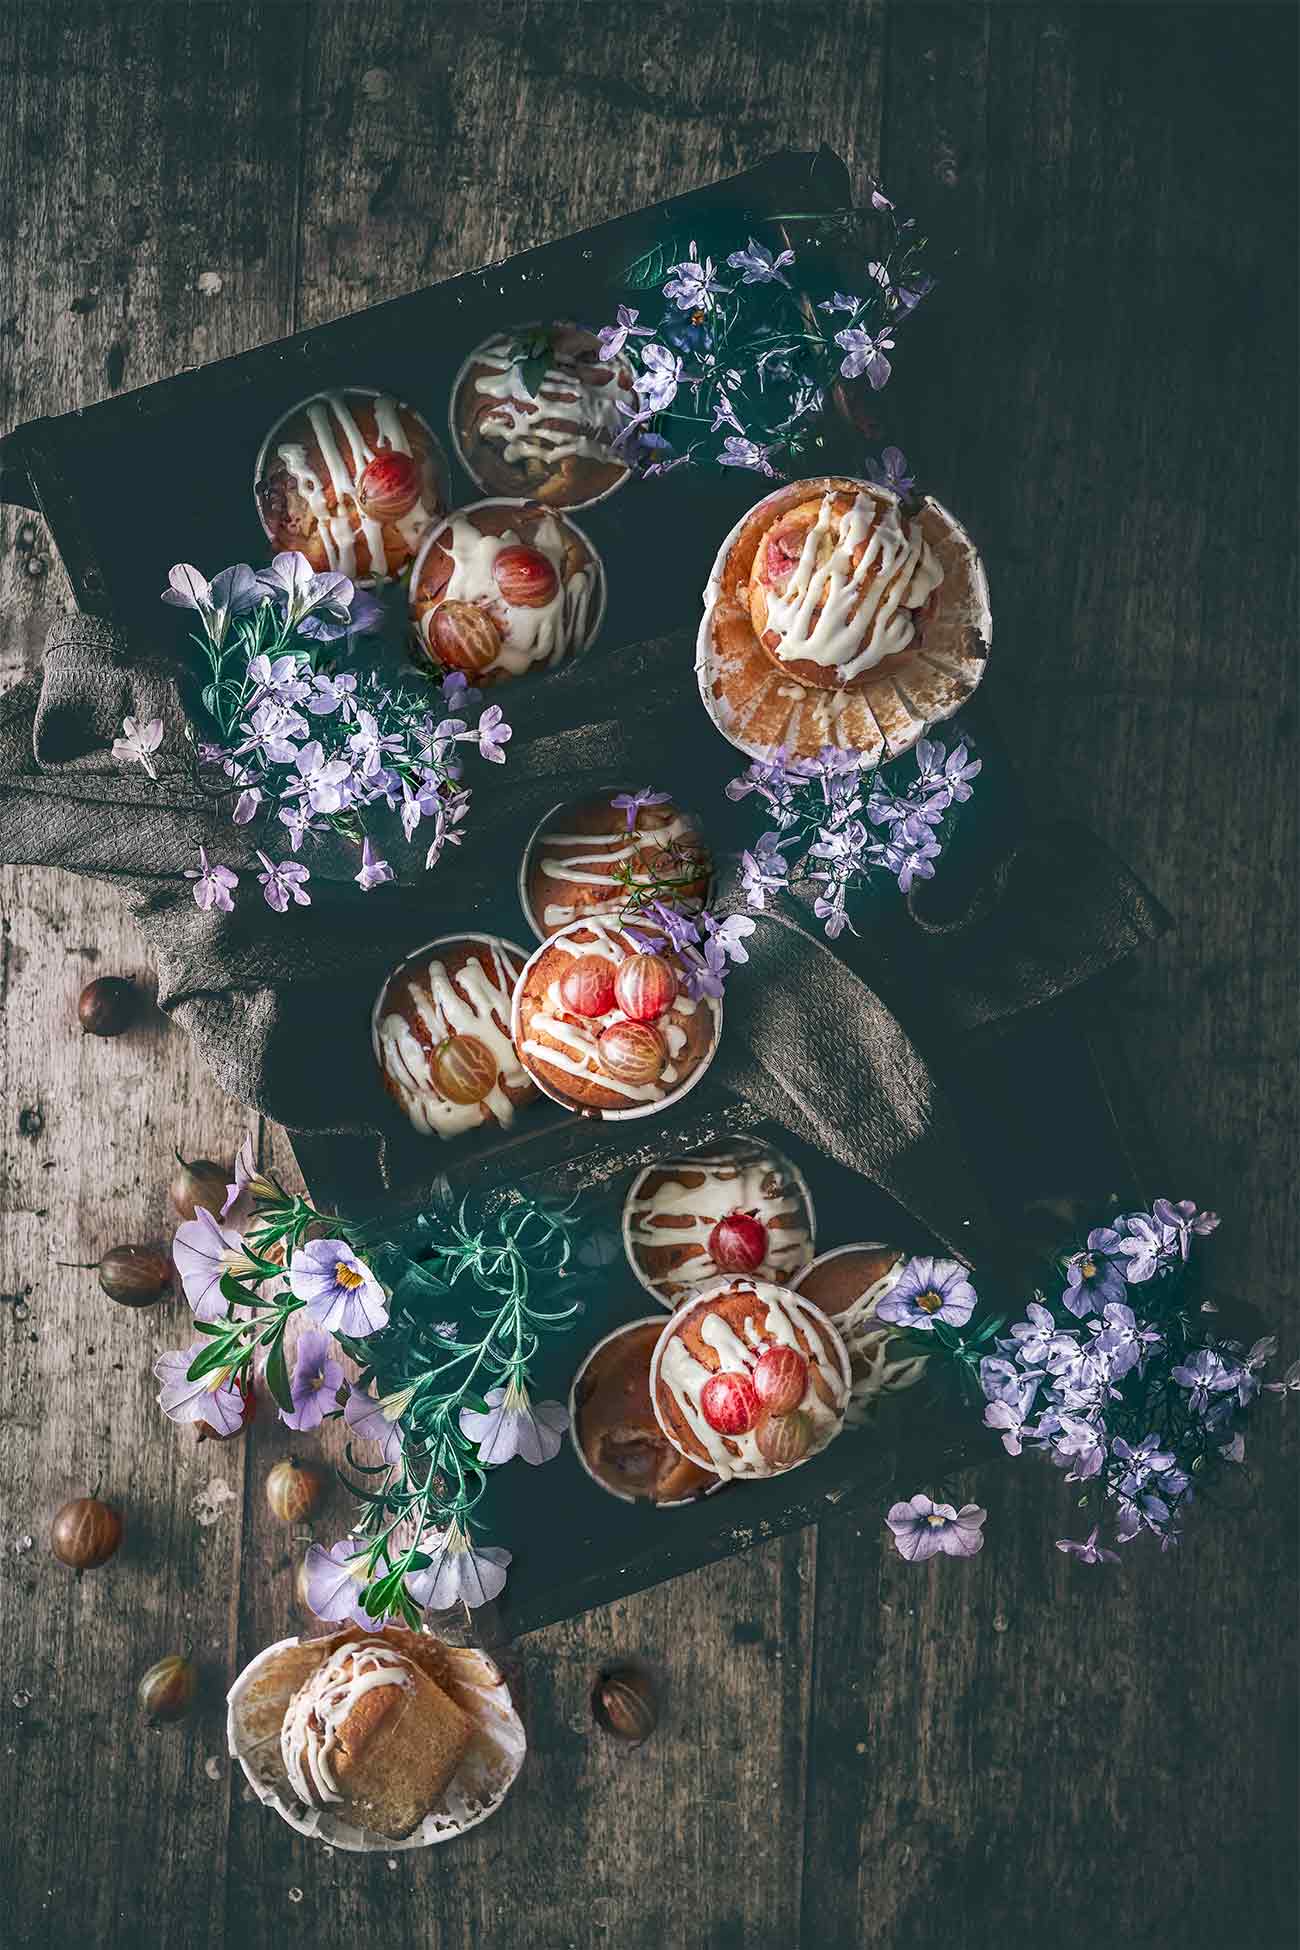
[854, 1752]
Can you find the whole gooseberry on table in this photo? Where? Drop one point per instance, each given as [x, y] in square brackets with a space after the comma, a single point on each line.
[293, 1489]
[135, 1276]
[196, 1182]
[85, 1533]
[166, 1691]
[108, 1005]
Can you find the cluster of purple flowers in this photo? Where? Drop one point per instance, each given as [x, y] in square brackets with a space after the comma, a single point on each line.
[756, 371]
[836, 820]
[306, 745]
[1116, 1384]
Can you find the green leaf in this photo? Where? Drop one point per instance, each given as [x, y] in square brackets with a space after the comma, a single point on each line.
[221, 1354]
[532, 371]
[653, 266]
[277, 1374]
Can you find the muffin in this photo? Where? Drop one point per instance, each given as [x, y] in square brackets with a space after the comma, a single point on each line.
[441, 1035]
[835, 616]
[353, 480]
[605, 1027]
[613, 1426]
[585, 860]
[749, 1380]
[503, 588]
[848, 1284]
[375, 1737]
[690, 1222]
[536, 412]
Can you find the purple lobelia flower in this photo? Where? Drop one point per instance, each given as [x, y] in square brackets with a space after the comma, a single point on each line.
[300, 824]
[1089, 1551]
[494, 734]
[203, 1253]
[246, 805]
[288, 679]
[332, 1581]
[212, 885]
[212, 1399]
[1038, 1338]
[612, 338]
[759, 266]
[228, 595]
[910, 855]
[1122, 1338]
[927, 1291]
[283, 883]
[1077, 1447]
[862, 353]
[1182, 1219]
[341, 1293]
[946, 775]
[1142, 1459]
[1205, 1374]
[692, 286]
[739, 452]
[138, 743]
[513, 1426]
[460, 1573]
[373, 872]
[271, 731]
[890, 471]
[1146, 1245]
[630, 803]
[1095, 1275]
[658, 379]
[840, 301]
[924, 1529]
[330, 694]
[765, 871]
[371, 1420]
[315, 1381]
[325, 783]
[726, 937]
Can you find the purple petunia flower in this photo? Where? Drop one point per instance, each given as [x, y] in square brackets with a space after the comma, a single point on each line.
[228, 595]
[924, 1529]
[371, 1420]
[929, 1290]
[373, 872]
[494, 735]
[332, 1582]
[759, 266]
[862, 353]
[213, 1399]
[1089, 1551]
[212, 885]
[513, 1426]
[612, 338]
[316, 1379]
[890, 471]
[1095, 1275]
[341, 1293]
[203, 1252]
[247, 1179]
[317, 606]
[138, 743]
[283, 883]
[460, 1573]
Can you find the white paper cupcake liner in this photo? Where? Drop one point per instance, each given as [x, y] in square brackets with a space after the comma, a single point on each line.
[758, 707]
[254, 1713]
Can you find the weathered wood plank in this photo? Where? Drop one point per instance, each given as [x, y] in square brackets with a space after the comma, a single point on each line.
[1019, 1734]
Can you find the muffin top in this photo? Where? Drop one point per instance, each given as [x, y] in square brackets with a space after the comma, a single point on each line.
[750, 1380]
[536, 412]
[848, 1283]
[586, 859]
[614, 1423]
[352, 480]
[442, 1035]
[690, 1222]
[505, 588]
[604, 1025]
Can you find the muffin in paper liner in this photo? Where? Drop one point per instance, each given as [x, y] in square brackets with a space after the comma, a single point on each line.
[832, 1282]
[761, 708]
[258, 1700]
[672, 1206]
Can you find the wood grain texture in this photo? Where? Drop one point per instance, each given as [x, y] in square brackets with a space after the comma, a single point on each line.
[852, 1751]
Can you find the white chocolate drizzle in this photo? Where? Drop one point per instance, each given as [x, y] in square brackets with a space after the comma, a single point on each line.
[309, 1735]
[473, 1003]
[596, 864]
[676, 1214]
[339, 528]
[570, 414]
[777, 1319]
[540, 633]
[578, 1055]
[845, 617]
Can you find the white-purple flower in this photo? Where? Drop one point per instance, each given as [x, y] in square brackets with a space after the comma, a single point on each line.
[927, 1291]
[371, 1420]
[315, 1381]
[739, 452]
[943, 774]
[494, 735]
[138, 743]
[1077, 1447]
[323, 782]
[330, 694]
[203, 1252]
[765, 871]
[1122, 1339]
[460, 1573]
[1089, 1551]
[333, 1580]
[374, 872]
[924, 1529]
[212, 884]
[300, 824]
[1204, 1374]
[1146, 1246]
[228, 595]
[282, 882]
[1142, 1460]
[612, 338]
[316, 605]
[840, 301]
[271, 732]
[512, 1425]
[890, 471]
[212, 1399]
[862, 353]
[692, 286]
[630, 803]
[287, 679]
[341, 1293]
[657, 381]
[1182, 1220]
[759, 266]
